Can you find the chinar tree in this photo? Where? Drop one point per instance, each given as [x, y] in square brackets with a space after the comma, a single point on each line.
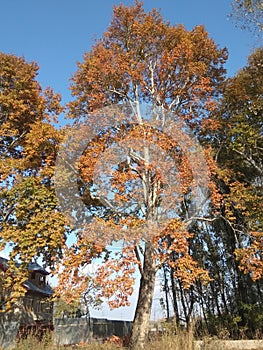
[140, 59]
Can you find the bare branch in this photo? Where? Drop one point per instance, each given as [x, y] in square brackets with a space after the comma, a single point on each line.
[137, 253]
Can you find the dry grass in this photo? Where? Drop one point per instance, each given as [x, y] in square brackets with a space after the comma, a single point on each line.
[171, 340]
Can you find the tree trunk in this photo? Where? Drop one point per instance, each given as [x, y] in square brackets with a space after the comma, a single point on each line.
[143, 310]
[175, 304]
[166, 290]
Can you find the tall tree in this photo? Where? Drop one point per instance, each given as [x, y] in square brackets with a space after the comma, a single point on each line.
[240, 150]
[142, 58]
[237, 230]
[30, 224]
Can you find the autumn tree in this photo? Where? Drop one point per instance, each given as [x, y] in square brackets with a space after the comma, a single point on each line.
[30, 224]
[231, 244]
[141, 59]
[240, 151]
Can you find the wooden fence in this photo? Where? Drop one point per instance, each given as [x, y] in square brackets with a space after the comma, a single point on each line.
[78, 330]
[68, 330]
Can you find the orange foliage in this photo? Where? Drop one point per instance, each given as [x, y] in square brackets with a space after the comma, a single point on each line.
[250, 258]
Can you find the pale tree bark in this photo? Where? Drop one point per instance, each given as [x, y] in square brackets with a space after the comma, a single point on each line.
[148, 270]
[143, 310]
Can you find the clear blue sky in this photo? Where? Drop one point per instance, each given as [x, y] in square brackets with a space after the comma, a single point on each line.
[56, 33]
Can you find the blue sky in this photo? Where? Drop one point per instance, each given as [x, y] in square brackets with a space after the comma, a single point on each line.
[56, 33]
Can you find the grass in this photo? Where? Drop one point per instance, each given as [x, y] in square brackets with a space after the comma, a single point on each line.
[163, 344]
[182, 340]
[172, 339]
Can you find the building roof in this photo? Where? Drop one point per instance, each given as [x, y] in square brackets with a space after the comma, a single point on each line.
[36, 267]
[45, 289]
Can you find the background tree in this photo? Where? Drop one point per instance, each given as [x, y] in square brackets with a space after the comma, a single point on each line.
[232, 244]
[240, 151]
[142, 58]
[30, 224]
